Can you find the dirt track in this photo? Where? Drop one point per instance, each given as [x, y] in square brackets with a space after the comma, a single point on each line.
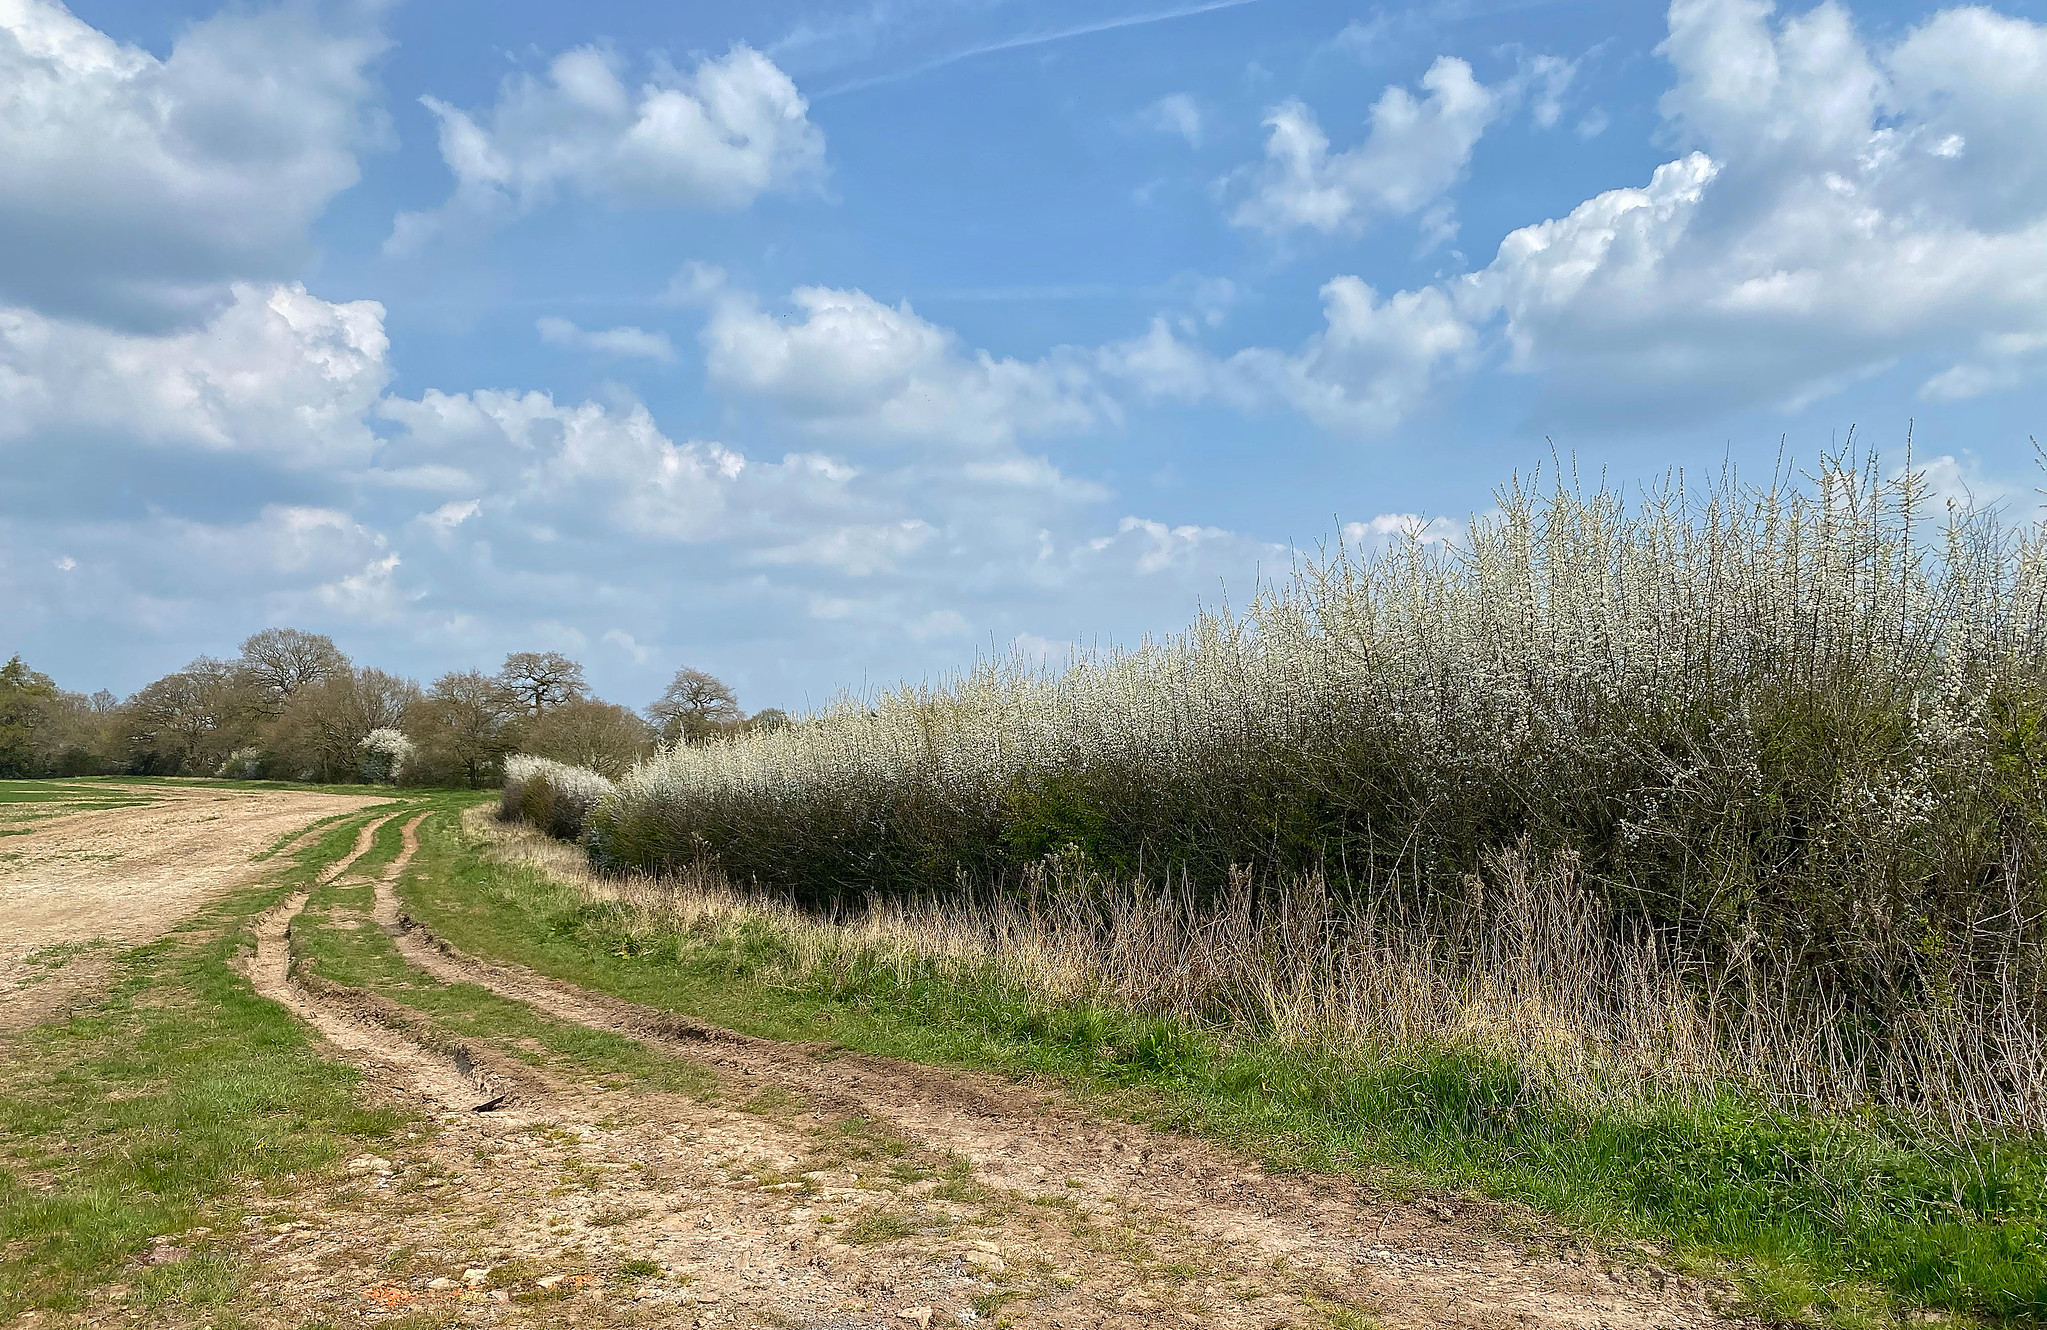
[92, 882]
[985, 1194]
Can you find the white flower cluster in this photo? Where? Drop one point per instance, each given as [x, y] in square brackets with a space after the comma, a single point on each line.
[1570, 632]
[386, 755]
[553, 795]
[242, 764]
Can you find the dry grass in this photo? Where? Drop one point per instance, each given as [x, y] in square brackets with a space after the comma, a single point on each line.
[1532, 970]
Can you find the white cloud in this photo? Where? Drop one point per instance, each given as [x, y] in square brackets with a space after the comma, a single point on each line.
[718, 137]
[1415, 150]
[1842, 208]
[278, 374]
[1159, 546]
[1834, 217]
[134, 190]
[1374, 361]
[1389, 529]
[632, 646]
[857, 550]
[1176, 113]
[1544, 80]
[587, 462]
[853, 364]
[446, 518]
[625, 342]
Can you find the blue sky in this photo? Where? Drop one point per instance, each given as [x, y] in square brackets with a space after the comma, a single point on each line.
[824, 347]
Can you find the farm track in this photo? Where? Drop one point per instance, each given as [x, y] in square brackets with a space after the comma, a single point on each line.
[448, 1076]
[1413, 1264]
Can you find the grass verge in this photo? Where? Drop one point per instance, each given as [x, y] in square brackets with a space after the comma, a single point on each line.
[1852, 1222]
[159, 1111]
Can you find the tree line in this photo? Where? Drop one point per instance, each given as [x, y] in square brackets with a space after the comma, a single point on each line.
[292, 706]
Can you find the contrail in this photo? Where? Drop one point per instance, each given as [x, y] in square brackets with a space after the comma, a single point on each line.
[1032, 39]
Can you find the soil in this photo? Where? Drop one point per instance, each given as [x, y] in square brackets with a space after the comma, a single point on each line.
[81, 886]
[822, 1188]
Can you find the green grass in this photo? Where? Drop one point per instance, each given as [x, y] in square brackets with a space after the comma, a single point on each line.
[26, 803]
[158, 1110]
[1844, 1221]
[66, 791]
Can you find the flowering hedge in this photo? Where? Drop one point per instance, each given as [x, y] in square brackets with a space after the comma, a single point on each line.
[1803, 721]
[553, 796]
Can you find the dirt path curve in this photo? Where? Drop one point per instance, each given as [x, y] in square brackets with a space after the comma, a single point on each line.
[101, 880]
[446, 1075]
[1414, 1264]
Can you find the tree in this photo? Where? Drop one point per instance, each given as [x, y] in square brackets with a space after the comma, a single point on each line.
[27, 698]
[77, 735]
[283, 661]
[542, 679]
[694, 707]
[191, 720]
[322, 730]
[461, 728]
[767, 720]
[587, 733]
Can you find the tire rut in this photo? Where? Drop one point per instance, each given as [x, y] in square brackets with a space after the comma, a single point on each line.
[448, 1074]
[1422, 1257]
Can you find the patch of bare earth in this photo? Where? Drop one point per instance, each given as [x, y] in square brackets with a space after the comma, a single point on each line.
[82, 885]
[826, 1189]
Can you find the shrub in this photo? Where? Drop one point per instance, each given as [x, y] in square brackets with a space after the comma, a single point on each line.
[1792, 734]
[552, 796]
[243, 764]
[386, 756]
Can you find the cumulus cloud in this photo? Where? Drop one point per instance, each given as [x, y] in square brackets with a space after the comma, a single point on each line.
[1373, 362]
[851, 364]
[1843, 206]
[585, 462]
[134, 190]
[279, 375]
[1415, 149]
[717, 137]
[625, 343]
[164, 570]
[860, 550]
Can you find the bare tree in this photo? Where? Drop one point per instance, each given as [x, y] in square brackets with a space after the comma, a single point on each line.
[461, 727]
[282, 661]
[695, 706]
[321, 732]
[587, 733]
[542, 679]
[189, 721]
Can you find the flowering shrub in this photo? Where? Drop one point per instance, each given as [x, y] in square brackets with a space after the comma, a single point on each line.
[1795, 732]
[552, 796]
[386, 753]
[243, 764]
